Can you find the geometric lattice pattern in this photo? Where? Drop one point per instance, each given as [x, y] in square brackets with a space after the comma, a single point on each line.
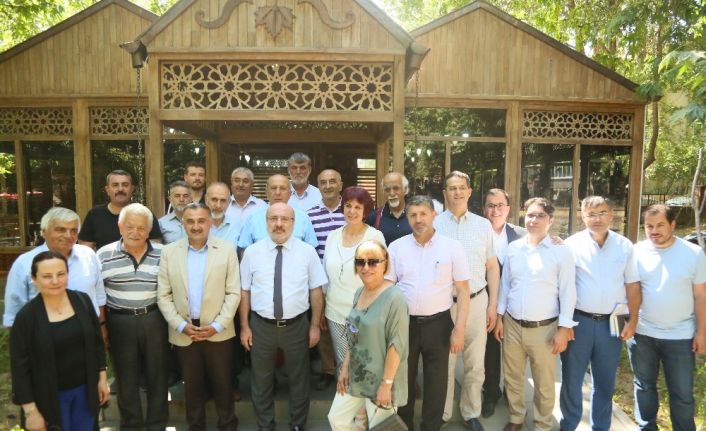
[119, 121]
[578, 125]
[292, 125]
[36, 121]
[276, 86]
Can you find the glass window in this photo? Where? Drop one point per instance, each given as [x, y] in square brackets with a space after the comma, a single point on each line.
[484, 163]
[605, 172]
[49, 168]
[424, 168]
[466, 122]
[107, 156]
[179, 152]
[547, 172]
[9, 200]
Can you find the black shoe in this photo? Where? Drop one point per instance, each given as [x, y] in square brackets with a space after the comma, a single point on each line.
[473, 424]
[488, 409]
[325, 381]
[298, 428]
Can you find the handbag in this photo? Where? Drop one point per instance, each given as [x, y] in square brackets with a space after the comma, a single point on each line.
[392, 423]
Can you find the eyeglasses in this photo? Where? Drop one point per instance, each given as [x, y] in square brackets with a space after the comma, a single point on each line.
[373, 263]
[495, 206]
[537, 216]
[602, 214]
[275, 219]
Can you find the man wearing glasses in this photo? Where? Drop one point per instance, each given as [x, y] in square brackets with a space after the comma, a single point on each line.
[537, 299]
[606, 275]
[279, 319]
[496, 209]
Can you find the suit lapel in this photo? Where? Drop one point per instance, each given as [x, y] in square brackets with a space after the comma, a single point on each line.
[510, 232]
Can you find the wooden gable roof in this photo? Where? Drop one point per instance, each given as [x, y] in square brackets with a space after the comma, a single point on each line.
[79, 56]
[225, 25]
[481, 51]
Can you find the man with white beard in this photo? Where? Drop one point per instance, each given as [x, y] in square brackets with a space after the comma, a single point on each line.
[391, 219]
[222, 226]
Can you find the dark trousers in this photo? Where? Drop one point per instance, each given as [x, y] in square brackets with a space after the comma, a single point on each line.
[430, 339]
[293, 340]
[139, 347]
[491, 385]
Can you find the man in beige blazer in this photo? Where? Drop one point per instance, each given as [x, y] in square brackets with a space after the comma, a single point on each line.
[198, 294]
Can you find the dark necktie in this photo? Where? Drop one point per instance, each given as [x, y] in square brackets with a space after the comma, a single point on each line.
[279, 312]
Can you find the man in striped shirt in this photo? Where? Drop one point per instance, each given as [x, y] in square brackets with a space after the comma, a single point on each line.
[136, 329]
[326, 217]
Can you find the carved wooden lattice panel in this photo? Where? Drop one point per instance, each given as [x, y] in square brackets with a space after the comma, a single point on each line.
[119, 121]
[281, 86]
[36, 121]
[578, 125]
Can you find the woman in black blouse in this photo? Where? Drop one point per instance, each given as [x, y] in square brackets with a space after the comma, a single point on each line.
[57, 353]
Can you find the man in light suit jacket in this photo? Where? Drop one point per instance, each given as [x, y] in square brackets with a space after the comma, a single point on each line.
[496, 209]
[199, 292]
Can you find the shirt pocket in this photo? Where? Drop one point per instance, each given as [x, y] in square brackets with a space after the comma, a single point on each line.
[443, 273]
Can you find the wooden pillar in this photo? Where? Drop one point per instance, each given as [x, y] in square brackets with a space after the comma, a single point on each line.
[212, 164]
[635, 178]
[576, 178]
[398, 125]
[83, 171]
[381, 167]
[21, 192]
[513, 158]
[154, 148]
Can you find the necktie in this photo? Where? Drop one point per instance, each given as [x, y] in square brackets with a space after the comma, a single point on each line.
[279, 312]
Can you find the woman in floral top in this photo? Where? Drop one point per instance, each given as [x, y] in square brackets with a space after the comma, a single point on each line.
[374, 371]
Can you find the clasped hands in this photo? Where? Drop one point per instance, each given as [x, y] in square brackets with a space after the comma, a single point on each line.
[199, 333]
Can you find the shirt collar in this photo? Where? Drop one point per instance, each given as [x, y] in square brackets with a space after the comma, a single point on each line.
[201, 250]
[429, 243]
[459, 220]
[271, 245]
[323, 206]
[294, 192]
[122, 250]
[251, 200]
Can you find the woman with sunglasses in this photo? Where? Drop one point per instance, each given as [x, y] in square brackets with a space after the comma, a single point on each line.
[338, 262]
[374, 370]
[57, 354]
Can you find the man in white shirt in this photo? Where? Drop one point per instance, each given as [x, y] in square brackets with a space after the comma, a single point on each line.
[605, 277]
[476, 236]
[538, 287]
[277, 306]
[304, 195]
[428, 267]
[242, 201]
[671, 328]
[496, 208]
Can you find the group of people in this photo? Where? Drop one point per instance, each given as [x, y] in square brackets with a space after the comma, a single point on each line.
[374, 290]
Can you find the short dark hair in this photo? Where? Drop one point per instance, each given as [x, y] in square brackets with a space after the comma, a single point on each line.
[496, 192]
[542, 202]
[458, 174]
[47, 255]
[660, 209]
[194, 164]
[197, 206]
[354, 193]
[421, 200]
[118, 172]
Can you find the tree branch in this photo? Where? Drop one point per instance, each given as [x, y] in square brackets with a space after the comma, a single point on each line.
[695, 198]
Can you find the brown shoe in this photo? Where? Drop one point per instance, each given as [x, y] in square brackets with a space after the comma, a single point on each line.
[512, 427]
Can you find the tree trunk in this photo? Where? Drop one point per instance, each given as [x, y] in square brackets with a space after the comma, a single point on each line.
[652, 144]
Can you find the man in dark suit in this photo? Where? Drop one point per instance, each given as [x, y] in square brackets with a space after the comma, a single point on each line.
[496, 208]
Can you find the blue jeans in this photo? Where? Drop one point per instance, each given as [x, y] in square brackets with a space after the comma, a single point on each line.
[595, 346]
[76, 415]
[678, 362]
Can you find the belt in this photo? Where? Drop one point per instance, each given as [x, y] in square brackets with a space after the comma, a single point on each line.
[133, 311]
[533, 324]
[281, 323]
[593, 316]
[425, 319]
[474, 294]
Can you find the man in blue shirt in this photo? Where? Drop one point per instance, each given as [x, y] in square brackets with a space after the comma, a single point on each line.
[222, 225]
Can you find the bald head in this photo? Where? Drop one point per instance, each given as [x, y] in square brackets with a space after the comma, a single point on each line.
[278, 189]
[217, 199]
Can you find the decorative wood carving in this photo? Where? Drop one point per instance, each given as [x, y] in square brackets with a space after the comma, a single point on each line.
[577, 125]
[228, 9]
[274, 18]
[117, 121]
[326, 16]
[36, 121]
[276, 86]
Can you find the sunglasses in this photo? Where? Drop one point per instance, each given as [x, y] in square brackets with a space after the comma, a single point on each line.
[373, 263]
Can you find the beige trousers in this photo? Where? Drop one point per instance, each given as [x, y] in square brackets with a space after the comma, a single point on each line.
[345, 407]
[534, 344]
[473, 357]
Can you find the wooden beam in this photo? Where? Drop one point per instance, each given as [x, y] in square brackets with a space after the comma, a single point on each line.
[398, 121]
[576, 179]
[225, 115]
[502, 101]
[21, 192]
[82, 157]
[268, 136]
[381, 167]
[154, 149]
[212, 164]
[513, 159]
[635, 177]
[191, 128]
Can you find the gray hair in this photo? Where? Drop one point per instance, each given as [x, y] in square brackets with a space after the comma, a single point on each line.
[594, 201]
[136, 210]
[118, 172]
[243, 169]
[178, 183]
[421, 200]
[197, 206]
[56, 214]
[299, 158]
[217, 184]
[405, 181]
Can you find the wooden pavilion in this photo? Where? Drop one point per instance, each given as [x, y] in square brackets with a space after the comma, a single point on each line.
[248, 82]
